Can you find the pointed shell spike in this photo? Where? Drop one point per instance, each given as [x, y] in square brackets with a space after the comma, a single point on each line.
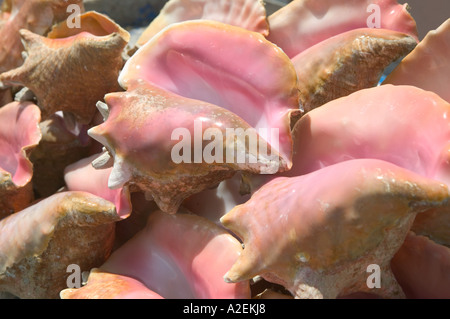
[105, 160]
[103, 109]
[120, 174]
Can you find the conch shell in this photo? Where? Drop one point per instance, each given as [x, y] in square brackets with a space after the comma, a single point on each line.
[304, 23]
[19, 134]
[36, 16]
[415, 136]
[346, 63]
[160, 258]
[192, 59]
[427, 65]
[40, 242]
[247, 14]
[74, 63]
[147, 154]
[317, 234]
[415, 132]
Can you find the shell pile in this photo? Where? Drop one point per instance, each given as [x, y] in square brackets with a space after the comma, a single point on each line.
[226, 153]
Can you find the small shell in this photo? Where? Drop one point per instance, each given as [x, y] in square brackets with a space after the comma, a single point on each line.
[427, 65]
[313, 21]
[41, 241]
[198, 60]
[175, 256]
[247, 14]
[143, 149]
[19, 134]
[347, 63]
[316, 234]
[73, 64]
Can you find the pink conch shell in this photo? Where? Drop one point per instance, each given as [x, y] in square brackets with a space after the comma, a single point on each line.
[192, 59]
[41, 241]
[19, 134]
[304, 23]
[57, 149]
[103, 285]
[79, 177]
[346, 63]
[92, 22]
[142, 150]
[428, 66]
[180, 256]
[34, 15]
[415, 136]
[327, 227]
[422, 268]
[415, 131]
[74, 64]
[248, 14]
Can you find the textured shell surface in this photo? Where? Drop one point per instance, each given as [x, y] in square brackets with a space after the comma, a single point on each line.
[248, 14]
[315, 21]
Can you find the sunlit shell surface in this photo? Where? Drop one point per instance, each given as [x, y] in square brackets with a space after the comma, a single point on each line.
[142, 151]
[303, 23]
[75, 63]
[415, 136]
[347, 62]
[220, 151]
[427, 66]
[104, 285]
[35, 15]
[316, 234]
[63, 229]
[192, 58]
[176, 256]
[247, 14]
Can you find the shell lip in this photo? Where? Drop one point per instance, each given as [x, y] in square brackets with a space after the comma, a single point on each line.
[23, 171]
